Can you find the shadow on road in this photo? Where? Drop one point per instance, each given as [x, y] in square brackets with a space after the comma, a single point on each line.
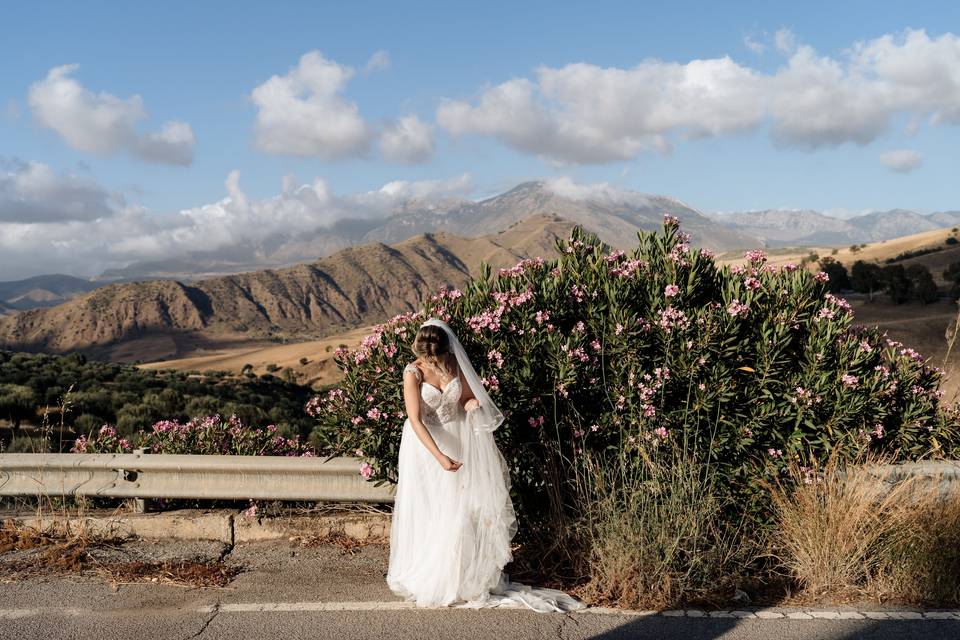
[664, 628]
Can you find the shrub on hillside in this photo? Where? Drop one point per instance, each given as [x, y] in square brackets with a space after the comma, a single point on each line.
[132, 399]
[839, 278]
[207, 435]
[597, 354]
[866, 277]
[924, 288]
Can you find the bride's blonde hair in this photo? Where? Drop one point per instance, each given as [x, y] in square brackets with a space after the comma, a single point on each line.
[432, 345]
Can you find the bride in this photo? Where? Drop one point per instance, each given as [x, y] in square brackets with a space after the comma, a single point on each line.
[453, 519]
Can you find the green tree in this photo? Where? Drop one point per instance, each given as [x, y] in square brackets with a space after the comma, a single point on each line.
[17, 403]
[898, 284]
[952, 275]
[924, 288]
[839, 279]
[866, 277]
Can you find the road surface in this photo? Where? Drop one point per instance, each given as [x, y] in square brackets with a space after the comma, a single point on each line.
[288, 592]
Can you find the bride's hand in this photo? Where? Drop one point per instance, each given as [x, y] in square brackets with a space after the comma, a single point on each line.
[471, 404]
[449, 464]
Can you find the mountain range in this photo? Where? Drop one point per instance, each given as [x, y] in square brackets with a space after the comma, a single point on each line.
[806, 228]
[370, 270]
[355, 286]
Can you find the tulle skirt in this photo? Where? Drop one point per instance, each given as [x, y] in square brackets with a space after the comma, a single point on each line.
[451, 531]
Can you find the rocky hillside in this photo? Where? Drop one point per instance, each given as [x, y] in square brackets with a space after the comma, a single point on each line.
[356, 286]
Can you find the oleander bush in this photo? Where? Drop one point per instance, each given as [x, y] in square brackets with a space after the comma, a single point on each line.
[206, 435]
[597, 354]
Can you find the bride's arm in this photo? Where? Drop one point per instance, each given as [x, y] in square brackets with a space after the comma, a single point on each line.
[467, 399]
[411, 400]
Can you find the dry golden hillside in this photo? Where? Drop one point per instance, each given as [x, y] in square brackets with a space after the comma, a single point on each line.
[932, 246]
[354, 287]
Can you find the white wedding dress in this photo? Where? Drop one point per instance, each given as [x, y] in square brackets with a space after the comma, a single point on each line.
[451, 531]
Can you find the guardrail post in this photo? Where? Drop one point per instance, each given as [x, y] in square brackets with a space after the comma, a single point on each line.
[140, 504]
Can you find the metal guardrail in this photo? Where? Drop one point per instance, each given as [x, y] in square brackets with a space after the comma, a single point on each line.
[138, 475]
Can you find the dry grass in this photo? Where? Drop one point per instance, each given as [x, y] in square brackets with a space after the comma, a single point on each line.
[320, 368]
[847, 535]
[74, 554]
[659, 537]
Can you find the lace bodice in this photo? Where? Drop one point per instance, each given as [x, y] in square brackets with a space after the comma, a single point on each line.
[438, 406]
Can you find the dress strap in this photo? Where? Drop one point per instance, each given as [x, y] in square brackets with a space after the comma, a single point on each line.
[416, 371]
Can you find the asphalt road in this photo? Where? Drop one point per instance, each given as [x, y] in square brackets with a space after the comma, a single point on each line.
[287, 592]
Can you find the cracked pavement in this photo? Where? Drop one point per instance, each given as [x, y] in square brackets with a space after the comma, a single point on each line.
[287, 591]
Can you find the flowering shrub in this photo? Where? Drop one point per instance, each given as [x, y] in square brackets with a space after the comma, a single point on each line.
[209, 435]
[628, 354]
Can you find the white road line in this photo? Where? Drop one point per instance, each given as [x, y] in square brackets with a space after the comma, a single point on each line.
[784, 614]
[244, 607]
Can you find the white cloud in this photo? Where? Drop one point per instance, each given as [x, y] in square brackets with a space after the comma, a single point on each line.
[97, 230]
[605, 192]
[105, 124]
[901, 160]
[303, 113]
[403, 190]
[407, 141]
[31, 193]
[379, 61]
[754, 45]
[785, 41]
[582, 113]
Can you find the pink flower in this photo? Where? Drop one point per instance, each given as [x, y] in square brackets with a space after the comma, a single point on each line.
[737, 309]
[671, 290]
[661, 432]
[821, 276]
[495, 357]
[775, 453]
[850, 381]
[755, 256]
[374, 414]
[492, 383]
[752, 283]
[670, 221]
[366, 470]
[536, 422]
[825, 313]
[250, 511]
[80, 444]
[670, 319]
[706, 253]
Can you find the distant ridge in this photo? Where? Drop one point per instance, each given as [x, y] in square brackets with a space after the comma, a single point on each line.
[356, 286]
[782, 227]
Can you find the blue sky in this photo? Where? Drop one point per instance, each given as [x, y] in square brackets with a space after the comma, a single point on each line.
[198, 64]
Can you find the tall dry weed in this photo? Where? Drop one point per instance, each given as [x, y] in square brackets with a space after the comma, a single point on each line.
[659, 534]
[844, 531]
